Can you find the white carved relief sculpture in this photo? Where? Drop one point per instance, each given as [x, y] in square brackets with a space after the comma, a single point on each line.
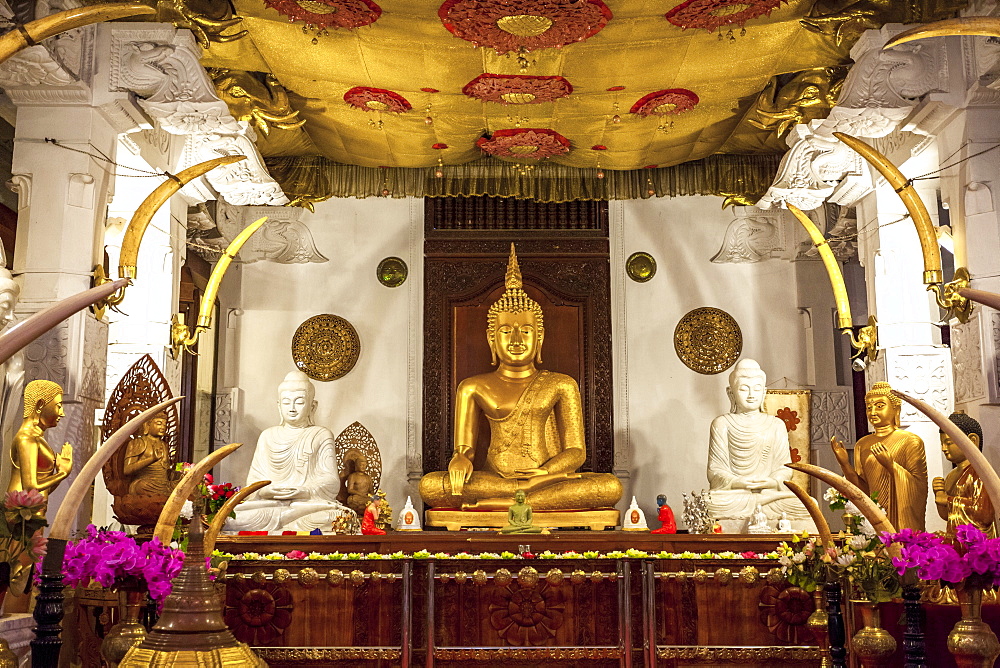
[830, 416]
[34, 66]
[753, 236]
[285, 239]
[161, 65]
[880, 90]
[967, 360]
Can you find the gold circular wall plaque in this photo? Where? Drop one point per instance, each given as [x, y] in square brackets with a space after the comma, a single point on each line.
[325, 347]
[391, 272]
[640, 267]
[708, 340]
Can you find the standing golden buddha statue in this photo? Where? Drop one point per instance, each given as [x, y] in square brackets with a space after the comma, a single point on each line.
[35, 464]
[536, 432]
[960, 497]
[890, 464]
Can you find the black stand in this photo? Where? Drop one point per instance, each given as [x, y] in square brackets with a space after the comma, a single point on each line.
[913, 637]
[48, 613]
[835, 624]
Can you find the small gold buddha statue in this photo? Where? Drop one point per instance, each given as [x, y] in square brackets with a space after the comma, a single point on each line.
[35, 464]
[960, 497]
[148, 467]
[536, 424]
[889, 464]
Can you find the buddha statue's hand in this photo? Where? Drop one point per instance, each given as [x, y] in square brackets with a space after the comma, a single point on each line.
[530, 473]
[459, 472]
[938, 486]
[65, 457]
[882, 455]
[288, 493]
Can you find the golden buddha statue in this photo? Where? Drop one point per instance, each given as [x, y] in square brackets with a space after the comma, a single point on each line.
[536, 426]
[960, 497]
[35, 464]
[890, 464]
[148, 467]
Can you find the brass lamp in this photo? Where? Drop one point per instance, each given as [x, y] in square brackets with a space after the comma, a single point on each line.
[129, 255]
[946, 294]
[866, 341]
[181, 337]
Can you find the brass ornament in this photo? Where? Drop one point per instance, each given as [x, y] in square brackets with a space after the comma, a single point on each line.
[259, 577]
[527, 576]
[517, 98]
[723, 576]
[281, 575]
[392, 272]
[775, 576]
[524, 25]
[700, 576]
[502, 577]
[738, 655]
[335, 578]
[708, 340]
[461, 577]
[357, 578]
[578, 577]
[325, 347]
[596, 577]
[640, 267]
[554, 577]
[281, 655]
[479, 577]
[749, 576]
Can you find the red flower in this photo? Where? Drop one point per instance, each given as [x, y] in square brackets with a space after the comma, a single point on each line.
[342, 13]
[296, 554]
[534, 143]
[528, 24]
[599, 147]
[672, 101]
[430, 90]
[517, 88]
[789, 417]
[712, 14]
[616, 88]
[376, 99]
[439, 146]
[209, 479]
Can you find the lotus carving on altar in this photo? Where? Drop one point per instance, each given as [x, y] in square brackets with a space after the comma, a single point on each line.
[257, 613]
[534, 143]
[517, 88]
[526, 616]
[526, 26]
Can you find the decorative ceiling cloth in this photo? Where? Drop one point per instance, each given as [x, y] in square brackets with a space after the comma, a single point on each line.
[613, 85]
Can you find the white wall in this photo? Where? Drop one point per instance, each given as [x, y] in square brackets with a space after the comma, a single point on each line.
[276, 298]
[665, 408]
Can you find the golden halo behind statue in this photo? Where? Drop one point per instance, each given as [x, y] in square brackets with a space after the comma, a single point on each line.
[325, 347]
[708, 340]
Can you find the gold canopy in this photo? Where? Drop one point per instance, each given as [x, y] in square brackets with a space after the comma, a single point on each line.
[749, 86]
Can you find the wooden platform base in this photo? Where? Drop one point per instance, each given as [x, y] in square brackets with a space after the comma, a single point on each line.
[455, 520]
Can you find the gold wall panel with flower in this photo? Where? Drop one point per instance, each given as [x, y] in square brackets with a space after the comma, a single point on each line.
[408, 50]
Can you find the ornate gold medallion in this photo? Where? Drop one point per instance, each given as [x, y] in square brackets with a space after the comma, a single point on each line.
[524, 25]
[325, 347]
[708, 340]
[392, 272]
[640, 267]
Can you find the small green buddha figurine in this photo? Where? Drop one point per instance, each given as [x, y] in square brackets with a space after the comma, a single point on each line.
[519, 516]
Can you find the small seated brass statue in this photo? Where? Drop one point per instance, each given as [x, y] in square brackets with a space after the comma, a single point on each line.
[147, 460]
[536, 424]
[519, 516]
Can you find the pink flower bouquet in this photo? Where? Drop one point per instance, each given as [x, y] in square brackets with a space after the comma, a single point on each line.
[973, 557]
[111, 559]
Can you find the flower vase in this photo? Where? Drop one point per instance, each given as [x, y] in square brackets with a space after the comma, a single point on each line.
[972, 642]
[873, 645]
[818, 624]
[128, 631]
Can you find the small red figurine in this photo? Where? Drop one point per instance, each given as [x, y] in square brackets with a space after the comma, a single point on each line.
[667, 522]
[368, 527]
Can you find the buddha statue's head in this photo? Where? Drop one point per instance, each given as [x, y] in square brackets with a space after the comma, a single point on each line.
[520, 497]
[296, 400]
[514, 326]
[970, 427]
[9, 292]
[747, 386]
[43, 401]
[157, 426]
[882, 406]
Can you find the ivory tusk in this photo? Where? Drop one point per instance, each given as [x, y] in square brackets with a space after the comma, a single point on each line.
[129, 255]
[833, 269]
[983, 26]
[229, 506]
[825, 536]
[172, 508]
[31, 328]
[977, 460]
[985, 298]
[852, 492]
[71, 502]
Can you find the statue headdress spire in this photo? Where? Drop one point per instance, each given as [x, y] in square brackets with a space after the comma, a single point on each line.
[513, 300]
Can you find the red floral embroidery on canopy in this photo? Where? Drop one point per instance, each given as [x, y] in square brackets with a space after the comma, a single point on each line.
[672, 101]
[328, 13]
[531, 24]
[376, 99]
[713, 14]
[534, 143]
[517, 88]
[789, 417]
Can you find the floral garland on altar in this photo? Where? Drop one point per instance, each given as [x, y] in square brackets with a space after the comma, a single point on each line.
[528, 25]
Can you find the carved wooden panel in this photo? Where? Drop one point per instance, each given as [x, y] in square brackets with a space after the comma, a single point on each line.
[143, 386]
[459, 216]
[569, 278]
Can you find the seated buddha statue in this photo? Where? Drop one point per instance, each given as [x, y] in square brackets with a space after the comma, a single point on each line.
[960, 497]
[890, 464]
[148, 468]
[35, 464]
[536, 424]
[299, 458]
[747, 453]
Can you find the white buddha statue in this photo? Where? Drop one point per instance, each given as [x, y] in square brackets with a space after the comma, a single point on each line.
[747, 454]
[299, 458]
